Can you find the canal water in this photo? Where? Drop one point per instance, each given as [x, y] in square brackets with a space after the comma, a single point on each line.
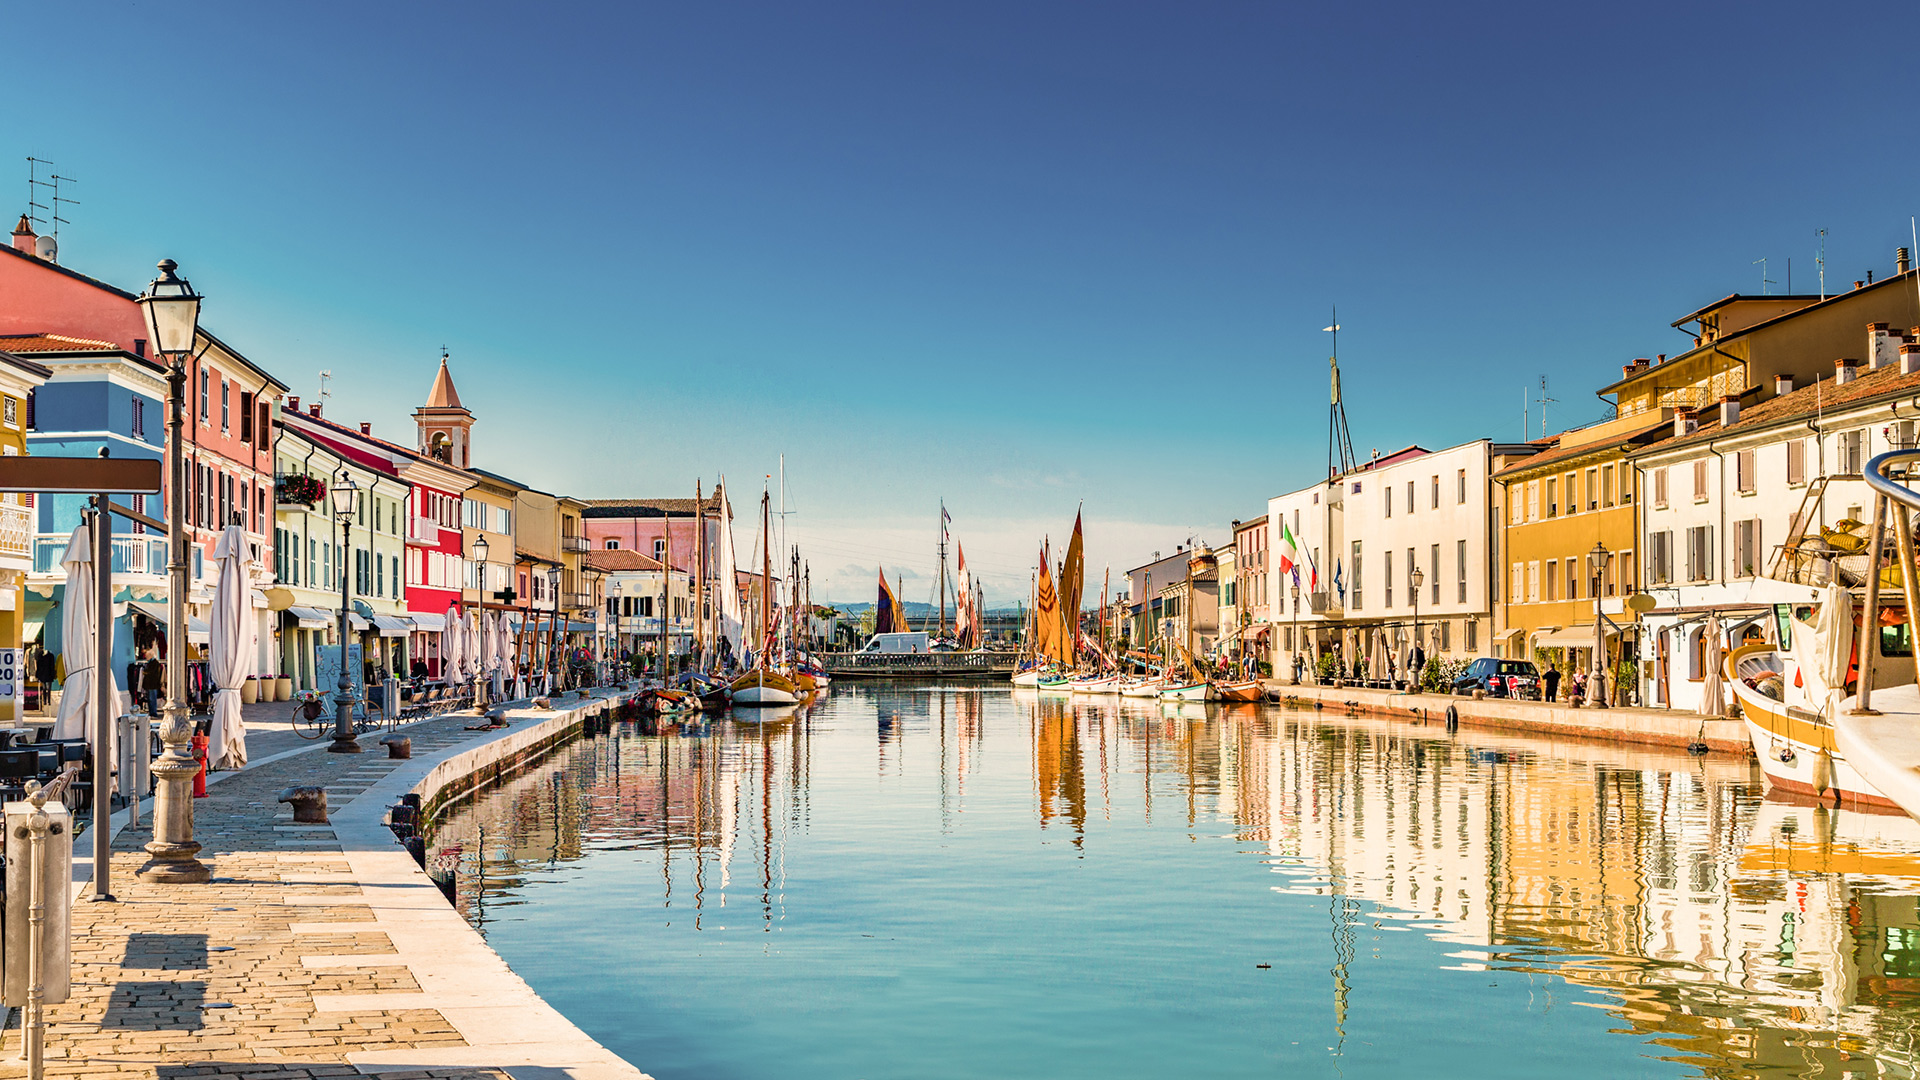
[920, 880]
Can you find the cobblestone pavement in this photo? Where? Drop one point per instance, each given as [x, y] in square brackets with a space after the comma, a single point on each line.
[221, 979]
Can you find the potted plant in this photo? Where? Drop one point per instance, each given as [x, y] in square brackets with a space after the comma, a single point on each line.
[283, 688]
[299, 489]
[250, 690]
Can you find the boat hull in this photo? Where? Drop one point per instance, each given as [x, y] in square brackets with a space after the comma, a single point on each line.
[1190, 692]
[764, 688]
[1796, 750]
[1141, 690]
[1028, 679]
[1110, 685]
[1242, 691]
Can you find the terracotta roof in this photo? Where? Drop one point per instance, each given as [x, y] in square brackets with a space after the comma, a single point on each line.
[624, 508]
[26, 343]
[26, 365]
[443, 395]
[618, 559]
[1807, 401]
[1568, 453]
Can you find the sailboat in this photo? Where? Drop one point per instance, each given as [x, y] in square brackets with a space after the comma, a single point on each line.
[762, 685]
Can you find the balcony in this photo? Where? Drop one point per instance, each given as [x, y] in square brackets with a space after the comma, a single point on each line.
[576, 600]
[423, 532]
[1325, 603]
[575, 545]
[16, 531]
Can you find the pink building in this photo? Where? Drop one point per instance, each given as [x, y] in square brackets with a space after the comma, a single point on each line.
[646, 525]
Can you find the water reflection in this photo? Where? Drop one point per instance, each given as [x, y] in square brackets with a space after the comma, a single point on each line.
[1735, 935]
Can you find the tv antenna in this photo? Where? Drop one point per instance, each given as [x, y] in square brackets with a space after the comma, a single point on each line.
[1765, 281]
[1339, 443]
[1821, 261]
[1543, 401]
[324, 393]
[34, 184]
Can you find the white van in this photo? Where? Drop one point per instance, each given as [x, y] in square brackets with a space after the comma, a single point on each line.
[899, 643]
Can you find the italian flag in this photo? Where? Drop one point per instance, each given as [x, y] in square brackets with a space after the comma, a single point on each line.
[1289, 549]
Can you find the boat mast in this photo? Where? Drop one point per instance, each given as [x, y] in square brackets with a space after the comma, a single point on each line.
[1106, 578]
[942, 586]
[766, 573]
[666, 590]
[700, 568]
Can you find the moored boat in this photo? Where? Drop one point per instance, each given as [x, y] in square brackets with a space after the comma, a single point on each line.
[763, 687]
[1199, 691]
[1795, 745]
[1096, 684]
[1028, 678]
[1142, 688]
[1240, 691]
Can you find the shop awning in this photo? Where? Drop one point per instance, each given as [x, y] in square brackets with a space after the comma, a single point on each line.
[1571, 637]
[32, 630]
[197, 632]
[428, 622]
[311, 618]
[391, 626]
[1513, 632]
[358, 621]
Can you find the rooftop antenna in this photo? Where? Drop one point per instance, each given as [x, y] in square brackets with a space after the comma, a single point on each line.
[1543, 401]
[34, 184]
[1821, 261]
[1765, 281]
[324, 394]
[1339, 442]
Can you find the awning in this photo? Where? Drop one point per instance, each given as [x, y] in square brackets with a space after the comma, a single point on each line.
[32, 630]
[391, 626]
[1514, 632]
[1572, 637]
[257, 598]
[311, 618]
[197, 632]
[428, 622]
[358, 621]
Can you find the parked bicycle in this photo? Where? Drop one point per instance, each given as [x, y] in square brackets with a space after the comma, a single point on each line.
[313, 713]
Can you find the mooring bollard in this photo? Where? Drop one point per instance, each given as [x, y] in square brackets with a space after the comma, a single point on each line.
[309, 805]
[398, 746]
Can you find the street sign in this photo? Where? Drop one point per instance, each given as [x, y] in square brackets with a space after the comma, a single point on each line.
[80, 476]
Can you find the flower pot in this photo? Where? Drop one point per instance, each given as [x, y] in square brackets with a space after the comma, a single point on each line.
[283, 688]
[250, 691]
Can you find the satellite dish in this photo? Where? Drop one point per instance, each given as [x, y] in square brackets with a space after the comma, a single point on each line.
[47, 248]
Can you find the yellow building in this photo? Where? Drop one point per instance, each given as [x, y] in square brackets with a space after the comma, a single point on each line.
[1555, 507]
[18, 379]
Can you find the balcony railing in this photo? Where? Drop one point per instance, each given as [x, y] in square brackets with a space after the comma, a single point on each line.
[575, 545]
[576, 600]
[16, 531]
[422, 530]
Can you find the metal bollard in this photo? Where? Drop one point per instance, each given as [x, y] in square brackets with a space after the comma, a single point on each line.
[35, 965]
[309, 804]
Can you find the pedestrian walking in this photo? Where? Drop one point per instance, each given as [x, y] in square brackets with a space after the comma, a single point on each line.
[1551, 681]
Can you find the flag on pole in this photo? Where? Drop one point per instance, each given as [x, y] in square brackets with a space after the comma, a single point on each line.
[1289, 550]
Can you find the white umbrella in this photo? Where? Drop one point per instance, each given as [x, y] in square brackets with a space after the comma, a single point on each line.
[451, 638]
[77, 631]
[1712, 700]
[230, 641]
[471, 653]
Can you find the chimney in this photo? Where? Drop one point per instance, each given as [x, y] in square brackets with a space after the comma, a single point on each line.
[1729, 410]
[1782, 384]
[1662, 360]
[1909, 357]
[1859, 284]
[1900, 262]
[1844, 370]
[366, 427]
[313, 410]
[23, 237]
[1683, 422]
[140, 347]
[1883, 346]
[294, 403]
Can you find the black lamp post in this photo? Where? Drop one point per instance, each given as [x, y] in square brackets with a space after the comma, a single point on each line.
[172, 310]
[554, 666]
[1597, 687]
[480, 547]
[1413, 677]
[345, 496]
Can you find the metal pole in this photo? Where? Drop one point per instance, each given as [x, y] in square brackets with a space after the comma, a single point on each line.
[343, 737]
[104, 699]
[1599, 688]
[1870, 619]
[173, 847]
[35, 1020]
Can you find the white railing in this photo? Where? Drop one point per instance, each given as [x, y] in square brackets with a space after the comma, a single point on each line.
[16, 530]
[422, 530]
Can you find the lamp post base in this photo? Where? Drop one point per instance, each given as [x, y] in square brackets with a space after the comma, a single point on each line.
[174, 864]
[346, 745]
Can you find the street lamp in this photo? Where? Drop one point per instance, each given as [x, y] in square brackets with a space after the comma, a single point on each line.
[1413, 677]
[613, 623]
[1597, 687]
[345, 496]
[554, 668]
[480, 546]
[1293, 638]
[172, 311]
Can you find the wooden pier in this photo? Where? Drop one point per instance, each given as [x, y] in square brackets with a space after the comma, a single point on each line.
[857, 665]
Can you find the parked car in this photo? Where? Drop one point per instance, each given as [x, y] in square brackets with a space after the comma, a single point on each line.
[1500, 678]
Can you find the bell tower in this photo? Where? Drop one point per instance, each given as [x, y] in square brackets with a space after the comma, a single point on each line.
[445, 426]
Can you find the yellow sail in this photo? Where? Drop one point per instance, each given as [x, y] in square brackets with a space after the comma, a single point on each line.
[899, 612]
[1046, 612]
[1070, 584]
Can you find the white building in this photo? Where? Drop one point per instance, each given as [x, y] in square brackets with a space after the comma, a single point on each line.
[1730, 486]
[1364, 536]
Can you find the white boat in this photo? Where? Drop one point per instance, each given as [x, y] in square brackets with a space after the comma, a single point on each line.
[1097, 684]
[1143, 688]
[763, 687]
[1028, 678]
[1200, 691]
[1795, 745]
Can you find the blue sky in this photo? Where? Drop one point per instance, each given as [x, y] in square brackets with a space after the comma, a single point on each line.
[1022, 256]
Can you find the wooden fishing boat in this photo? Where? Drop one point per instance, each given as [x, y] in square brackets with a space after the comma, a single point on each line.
[763, 687]
[1055, 682]
[1142, 688]
[1028, 678]
[1096, 684]
[1199, 691]
[1240, 691]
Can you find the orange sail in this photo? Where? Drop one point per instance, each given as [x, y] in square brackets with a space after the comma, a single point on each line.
[1046, 612]
[1071, 579]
